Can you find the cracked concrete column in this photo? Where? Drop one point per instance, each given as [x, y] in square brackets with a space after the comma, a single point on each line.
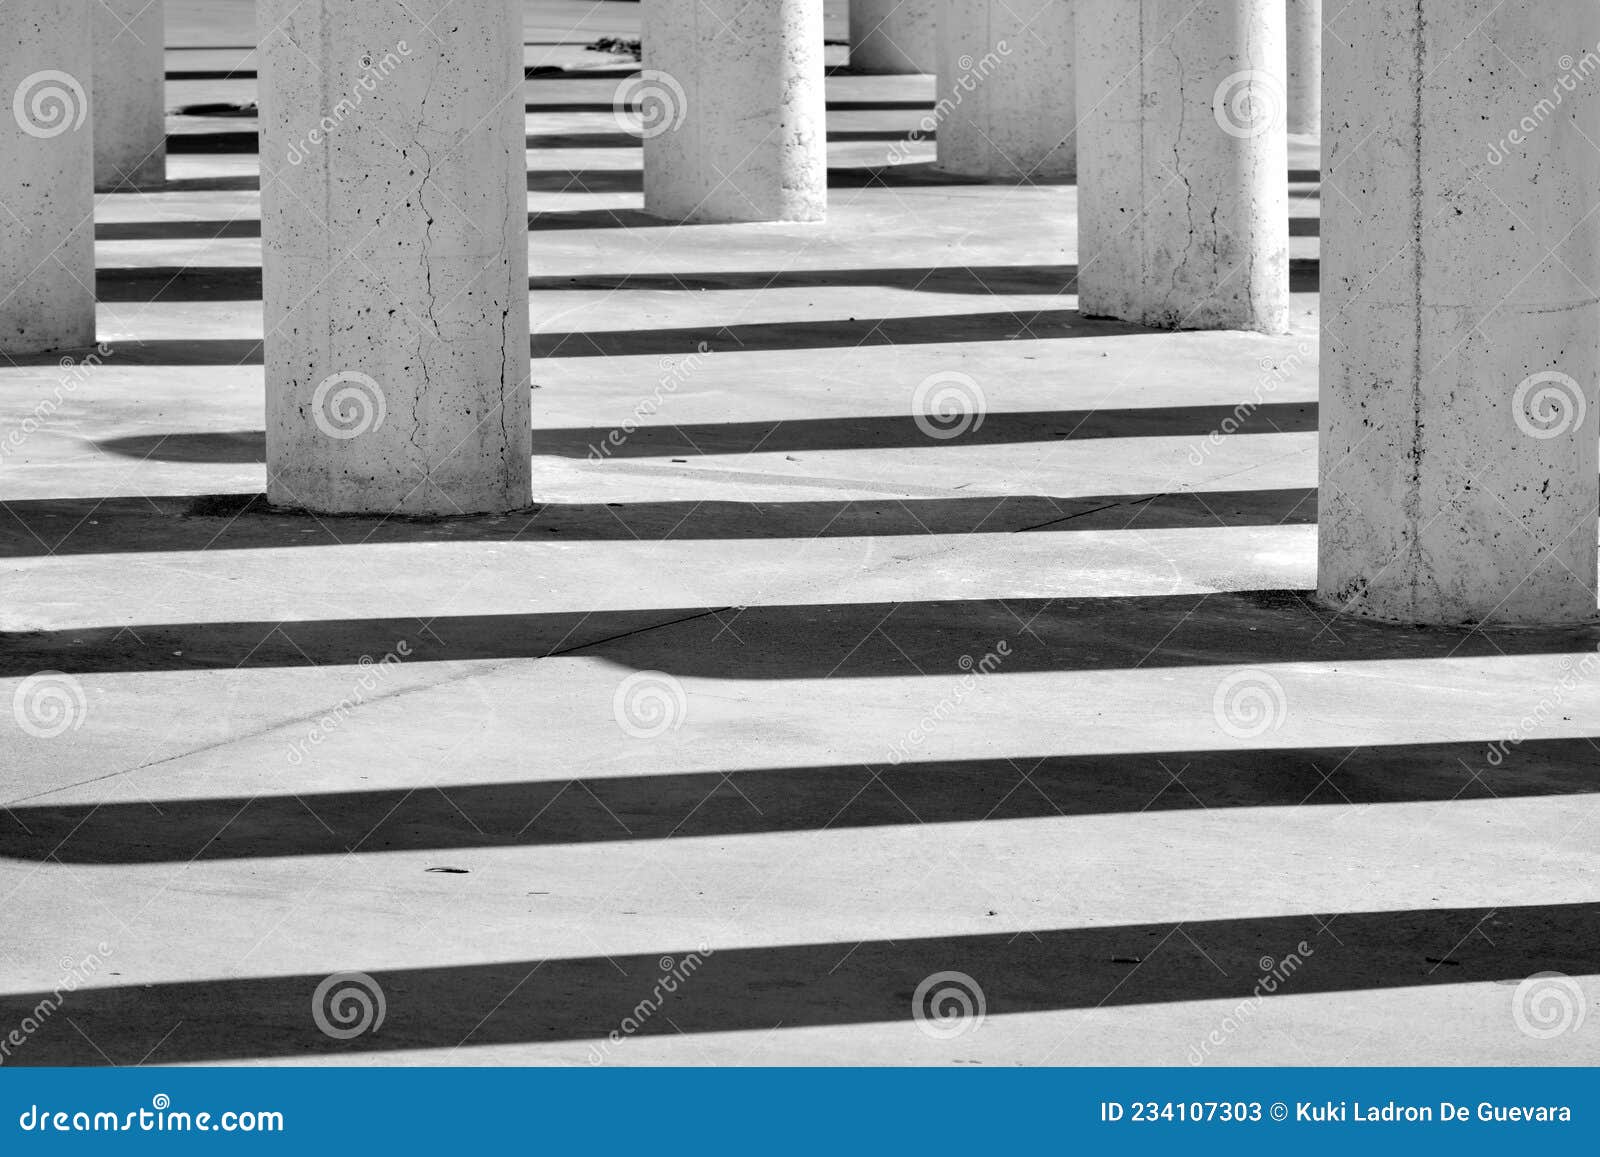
[46, 177]
[130, 117]
[731, 107]
[1183, 210]
[395, 255]
[1460, 330]
[894, 36]
[1305, 66]
[1007, 105]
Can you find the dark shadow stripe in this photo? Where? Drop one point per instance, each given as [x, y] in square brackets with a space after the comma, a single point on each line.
[237, 142]
[77, 526]
[243, 282]
[1025, 325]
[978, 279]
[608, 107]
[177, 231]
[815, 985]
[812, 641]
[805, 434]
[1022, 325]
[791, 799]
[904, 431]
[531, 72]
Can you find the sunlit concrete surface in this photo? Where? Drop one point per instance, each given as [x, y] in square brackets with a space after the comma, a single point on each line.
[909, 625]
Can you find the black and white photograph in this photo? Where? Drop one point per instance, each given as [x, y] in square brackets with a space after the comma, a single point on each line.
[568, 538]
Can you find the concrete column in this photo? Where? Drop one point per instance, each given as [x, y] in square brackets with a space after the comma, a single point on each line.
[1183, 212]
[46, 177]
[395, 255]
[1460, 330]
[733, 111]
[1305, 66]
[894, 36]
[1007, 106]
[130, 125]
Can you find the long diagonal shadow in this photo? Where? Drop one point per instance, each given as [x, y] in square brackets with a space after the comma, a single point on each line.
[690, 988]
[993, 325]
[807, 641]
[243, 283]
[246, 142]
[792, 435]
[791, 799]
[80, 526]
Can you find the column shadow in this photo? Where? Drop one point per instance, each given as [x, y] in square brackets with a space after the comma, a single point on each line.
[886, 792]
[728, 989]
[814, 641]
[64, 527]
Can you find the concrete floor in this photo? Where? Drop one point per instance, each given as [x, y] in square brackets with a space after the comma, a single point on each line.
[1098, 832]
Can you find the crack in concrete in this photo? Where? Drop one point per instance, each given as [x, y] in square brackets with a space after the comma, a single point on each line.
[299, 721]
